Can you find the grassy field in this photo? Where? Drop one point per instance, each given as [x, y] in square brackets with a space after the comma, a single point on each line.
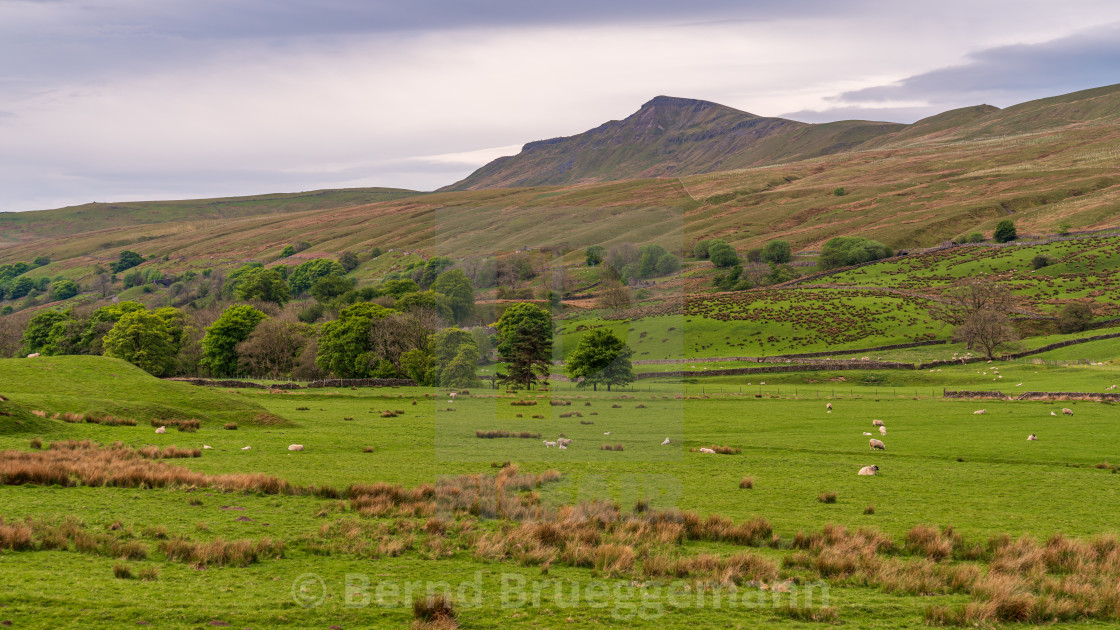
[944, 466]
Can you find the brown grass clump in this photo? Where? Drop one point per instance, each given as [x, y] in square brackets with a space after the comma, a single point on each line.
[368, 449]
[149, 574]
[587, 422]
[107, 420]
[523, 403]
[746, 483]
[73, 418]
[931, 543]
[168, 452]
[489, 435]
[122, 571]
[616, 406]
[434, 612]
[608, 447]
[822, 614]
[230, 426]
[869, 510]
[220, 553]
[827, 497]
[560, 403]
[36, 443]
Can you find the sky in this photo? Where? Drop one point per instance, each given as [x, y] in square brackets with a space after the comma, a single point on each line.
[125, 100]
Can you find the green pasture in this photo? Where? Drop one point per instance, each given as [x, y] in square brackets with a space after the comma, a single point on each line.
[943, 465]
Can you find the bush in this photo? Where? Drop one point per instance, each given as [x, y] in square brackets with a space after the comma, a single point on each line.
[348, 260]
[976, 237]
[594, 255]
[1038, 262]
[41, 261]
[839, 192]
[311, 314]
[700, 249]
[723, 255]
[851, 250]
[63, 289]
[375, 252]
[126, 260]
[287, 251]
[1005, 231]
[1074, 317]
[777, 252]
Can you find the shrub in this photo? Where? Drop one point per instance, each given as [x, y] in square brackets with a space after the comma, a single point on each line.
[839, 192]
[723, 255]
[1074, 317]
[976, 237]
[777, 252]
[122, 571]
[1040, 261]
[1005, 231]
[842, 251]
[149, 574]
[747, 483]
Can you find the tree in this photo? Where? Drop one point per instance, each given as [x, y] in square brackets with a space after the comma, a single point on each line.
[614, 295]
[1074, 317]
[1040, 261]
[394, 336]
[327, 288]
[647, 262]
[525, 343]
[979, 309]
[976, 237]
[142, 339]
[723, 255]
[264, 285]
[601, 358]
[348, 260]
[41, 261]
[41, 331]
[287, 251]
[1005, 231]
[345, 347]
[700, 249]
[398, 288]
[428, 300]
[839, 192]
[303, 277]
[460, 294]
[273, 348]
[456, 358]
[667, 264]
[219, 346]
[64, 289]
[594, 255]
[126, 260]
[778, 252]
[375, 252]
[842, 251]
[432, 269]
[1064, 227]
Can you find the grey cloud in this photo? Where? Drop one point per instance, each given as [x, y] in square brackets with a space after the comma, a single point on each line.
[877, 114]
[1011, 73]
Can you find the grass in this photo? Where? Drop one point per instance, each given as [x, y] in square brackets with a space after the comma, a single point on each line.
[792, 447]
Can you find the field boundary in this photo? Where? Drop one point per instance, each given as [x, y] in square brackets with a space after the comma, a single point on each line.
[330, 382]
[989, 395]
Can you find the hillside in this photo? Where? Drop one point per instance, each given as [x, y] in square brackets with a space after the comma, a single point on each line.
[666, 137]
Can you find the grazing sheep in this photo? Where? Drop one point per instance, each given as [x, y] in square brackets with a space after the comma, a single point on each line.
[979, 412]
[245, 448]
[548, 444]
[207, 447]
[868, 471]
[562, 447]
[161, 430]
[866, 433]
[1032, 438]
[876, 423]
[1053, 414]
[707, 450]
[563, 441]
[876, 445]
[34, 355]
[828, 406]
[1067, 412]
[882, 430]
[666, 442]
[295, 447]
[606, 432]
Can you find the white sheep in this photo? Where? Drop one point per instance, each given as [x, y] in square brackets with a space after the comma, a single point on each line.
[882, 430]
[828, 406]
[207, 447]
[1067, 412]
[876, 423]
[563, 441]
[665, 442]
[246, 448]
[706, 450]
[1032, 438]
[1053, 414]
[606, 432]
[876, 445]
[295, 447]
[34, 355]
[562, 447]
[866, 433]
[161, 430]
[548, 444]
[979, 412]
[868, 471]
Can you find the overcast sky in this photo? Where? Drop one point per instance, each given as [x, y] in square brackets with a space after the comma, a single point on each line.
[115, 100]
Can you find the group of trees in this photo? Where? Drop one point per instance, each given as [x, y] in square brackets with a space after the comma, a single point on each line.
[842, 251]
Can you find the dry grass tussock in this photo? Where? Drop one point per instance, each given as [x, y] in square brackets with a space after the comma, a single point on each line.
[221, 553]
[489, 435]
[73, 463]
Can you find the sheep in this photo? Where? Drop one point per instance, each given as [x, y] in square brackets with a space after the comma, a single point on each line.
[876, 423]
[563, 441]
[34, 355]
[979, 412]
[295, 447]
[876, 445]
[161, 430]
[866, 433]
[882, 430]
[1053, 414]
[828, 406]
[207, 447]
[868, 471]
[1067, 412]
[548, 444]
[1032, 438]
[562, 447]
[246, 448]
[665, 442]
[606, 432]
[706, 450]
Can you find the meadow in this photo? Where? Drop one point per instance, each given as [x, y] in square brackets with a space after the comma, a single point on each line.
[943, 467]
